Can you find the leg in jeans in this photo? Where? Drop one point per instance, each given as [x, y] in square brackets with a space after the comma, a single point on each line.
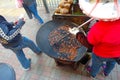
[22, 59]
[109, 66]
[96, 64]
[33, 9]
[20, 54]
[29, 43]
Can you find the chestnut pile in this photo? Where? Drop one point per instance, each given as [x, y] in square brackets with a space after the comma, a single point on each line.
[64, 7]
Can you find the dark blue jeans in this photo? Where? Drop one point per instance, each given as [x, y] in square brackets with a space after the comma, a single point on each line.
[19, 51]
[33, 9]
[97, 62]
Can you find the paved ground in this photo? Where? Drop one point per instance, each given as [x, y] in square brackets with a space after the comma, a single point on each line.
[43, 67]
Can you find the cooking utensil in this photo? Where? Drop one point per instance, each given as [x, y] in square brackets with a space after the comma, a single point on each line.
[44, 44]
[75, 30]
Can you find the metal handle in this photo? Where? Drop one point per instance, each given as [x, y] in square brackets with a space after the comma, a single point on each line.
[85, 22]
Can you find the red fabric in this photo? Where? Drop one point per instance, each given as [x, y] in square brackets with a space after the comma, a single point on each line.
[105, 37]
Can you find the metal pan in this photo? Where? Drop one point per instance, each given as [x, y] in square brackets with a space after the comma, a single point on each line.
[43, 42]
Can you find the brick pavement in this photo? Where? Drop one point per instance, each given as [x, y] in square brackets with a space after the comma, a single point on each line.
[43, 67]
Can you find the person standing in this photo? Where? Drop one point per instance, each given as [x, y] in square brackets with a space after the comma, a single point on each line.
[11, 38]
[103, 35]
[104, 43]
[30, 7]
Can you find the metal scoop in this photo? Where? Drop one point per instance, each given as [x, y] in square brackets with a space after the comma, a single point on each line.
[75, 30]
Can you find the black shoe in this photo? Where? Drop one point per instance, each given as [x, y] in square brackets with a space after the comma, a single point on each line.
[39, 53]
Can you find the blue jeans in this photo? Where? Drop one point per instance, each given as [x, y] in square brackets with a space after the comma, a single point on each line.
[33, 9]
[97, 62]
[19, 51]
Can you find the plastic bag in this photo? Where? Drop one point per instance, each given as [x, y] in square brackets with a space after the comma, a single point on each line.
[18, 3]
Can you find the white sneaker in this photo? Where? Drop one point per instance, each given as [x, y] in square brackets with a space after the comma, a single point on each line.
[26, 69]
[93, 78]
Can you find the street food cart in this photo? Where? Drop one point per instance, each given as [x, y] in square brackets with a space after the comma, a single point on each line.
[55, 40]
